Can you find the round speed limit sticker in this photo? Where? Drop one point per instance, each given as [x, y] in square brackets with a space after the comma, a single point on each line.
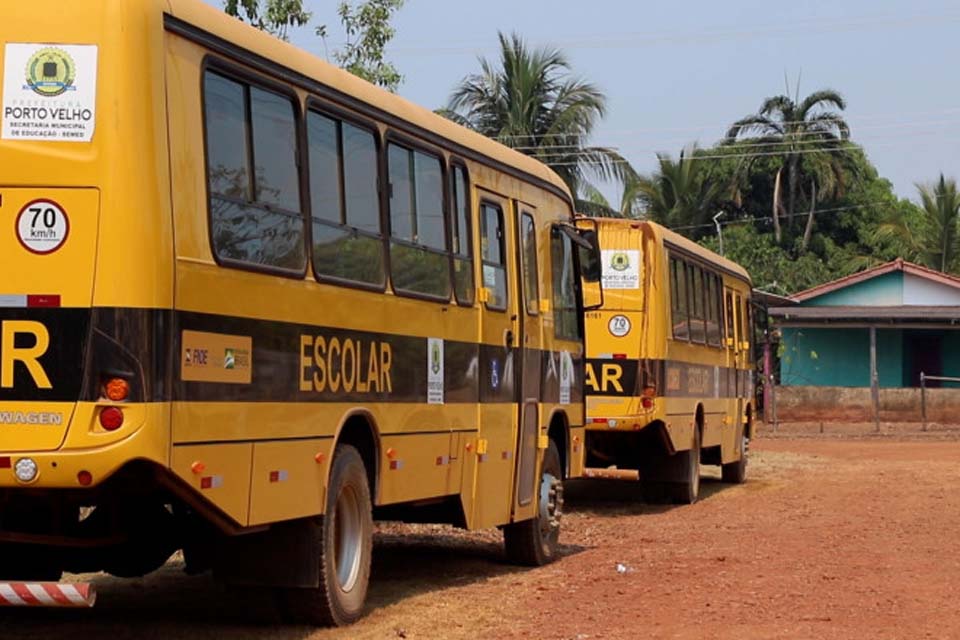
[619, 326]
[42, 227]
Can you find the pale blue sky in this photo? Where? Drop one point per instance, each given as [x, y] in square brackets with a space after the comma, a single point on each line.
[679, 72]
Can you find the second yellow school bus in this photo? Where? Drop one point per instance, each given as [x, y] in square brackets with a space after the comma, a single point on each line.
[251, 302]
[669, 374]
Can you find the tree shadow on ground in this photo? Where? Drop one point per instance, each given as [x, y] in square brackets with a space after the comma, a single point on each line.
[616, 497]
[169, 604]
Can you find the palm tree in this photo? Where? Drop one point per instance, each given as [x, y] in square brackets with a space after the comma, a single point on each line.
[527, 100]
[932, 236]
[680, 193]
[807, 136]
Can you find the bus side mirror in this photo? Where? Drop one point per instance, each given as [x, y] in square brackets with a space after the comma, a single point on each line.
[587, 242]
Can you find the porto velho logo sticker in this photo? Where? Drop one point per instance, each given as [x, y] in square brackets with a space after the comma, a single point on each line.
[620, 262]
[51, 72]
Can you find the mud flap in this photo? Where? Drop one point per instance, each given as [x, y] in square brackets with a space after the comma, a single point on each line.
[287, 555]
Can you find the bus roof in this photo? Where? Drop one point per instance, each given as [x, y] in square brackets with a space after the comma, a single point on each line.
[667, 236]
[244, 38]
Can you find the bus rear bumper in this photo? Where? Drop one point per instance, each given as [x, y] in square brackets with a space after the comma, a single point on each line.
[87, 458]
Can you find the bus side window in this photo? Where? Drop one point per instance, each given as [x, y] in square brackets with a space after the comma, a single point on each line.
[746, 322]
[731, 335]
[531, 282]
[462, 239]
[698, 331]
[347, 242]
[252, 176]
[419, 263]
[714, 314]
[678, 297]
[566, 314]
[494, 256]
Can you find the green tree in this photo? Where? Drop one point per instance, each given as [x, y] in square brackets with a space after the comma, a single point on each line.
[807, 136]
[528, 100]
[368, 33]
[929, 235]
[680, 193]
[367, 26]
[272, 16]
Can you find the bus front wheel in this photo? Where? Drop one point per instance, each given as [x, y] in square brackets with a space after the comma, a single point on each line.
[536, 542]
[346, 542]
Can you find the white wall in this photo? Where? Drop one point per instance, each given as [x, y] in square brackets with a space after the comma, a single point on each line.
[919, 291]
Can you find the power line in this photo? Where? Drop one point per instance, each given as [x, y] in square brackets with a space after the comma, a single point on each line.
[786, 215]
[741, 145]
[637, 132]
[848, 147]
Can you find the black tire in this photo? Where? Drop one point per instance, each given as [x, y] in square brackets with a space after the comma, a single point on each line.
[687, 491]
[346, 543]
[152, 540]
[30, 563]
[736, 472]
[536, 542]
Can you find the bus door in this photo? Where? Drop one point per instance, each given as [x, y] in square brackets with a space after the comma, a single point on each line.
[732, 343]
[742, 355]
[499, 365]
[528, 350]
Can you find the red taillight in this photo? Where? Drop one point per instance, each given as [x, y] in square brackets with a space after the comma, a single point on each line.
[5, 463]
[85, 478]
[117, 389]
[600, 421]
[50, 301]
[111, 418]
[647, 403]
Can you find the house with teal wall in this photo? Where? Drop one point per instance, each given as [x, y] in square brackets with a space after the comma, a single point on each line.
[896, 320]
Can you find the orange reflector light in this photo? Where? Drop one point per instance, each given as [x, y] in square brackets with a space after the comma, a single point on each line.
[198, 467]
[391, 453]
[111, 418]
[319, 458]
[85, 478]
[117, 389]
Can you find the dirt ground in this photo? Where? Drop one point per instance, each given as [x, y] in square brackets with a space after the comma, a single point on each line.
[831, 537]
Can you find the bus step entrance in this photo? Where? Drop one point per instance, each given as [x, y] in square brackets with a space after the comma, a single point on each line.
[78, 595]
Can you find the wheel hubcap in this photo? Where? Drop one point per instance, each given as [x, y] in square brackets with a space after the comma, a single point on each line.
[347, 538]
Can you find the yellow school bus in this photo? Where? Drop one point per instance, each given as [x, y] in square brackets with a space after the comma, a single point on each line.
[251, 303]
[669, 374]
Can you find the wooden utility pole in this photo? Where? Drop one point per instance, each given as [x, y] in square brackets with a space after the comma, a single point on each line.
[874, 377]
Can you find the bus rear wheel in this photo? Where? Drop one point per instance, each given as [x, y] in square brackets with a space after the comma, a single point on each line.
[672, 479]
[736, 472]
[346, 542]
[536, 542]
[687, 490]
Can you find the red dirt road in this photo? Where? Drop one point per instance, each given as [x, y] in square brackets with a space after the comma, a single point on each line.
[829, 538]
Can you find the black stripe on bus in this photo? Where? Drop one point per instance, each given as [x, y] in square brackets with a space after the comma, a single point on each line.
[146, 345]
[670, 378]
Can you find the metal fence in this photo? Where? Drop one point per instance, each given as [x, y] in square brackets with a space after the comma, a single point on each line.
[923, 393]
